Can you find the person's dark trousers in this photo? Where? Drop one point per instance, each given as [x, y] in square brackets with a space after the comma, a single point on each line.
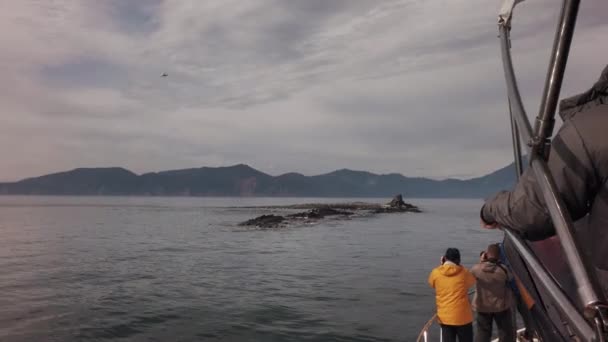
[504, 323]
[526, 317]
[450, 333]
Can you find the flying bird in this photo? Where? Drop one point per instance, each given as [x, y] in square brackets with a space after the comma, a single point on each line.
[164, 74]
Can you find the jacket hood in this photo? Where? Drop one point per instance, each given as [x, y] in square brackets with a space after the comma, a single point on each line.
[599, 92]
[489, 267]
[450, 270]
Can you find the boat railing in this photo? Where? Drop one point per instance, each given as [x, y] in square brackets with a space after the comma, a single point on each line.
[591, 324]
[424, 332]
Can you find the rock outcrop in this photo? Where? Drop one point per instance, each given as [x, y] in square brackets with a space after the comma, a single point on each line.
[321, 212]
[318, 212]
[265, 221]
[397, 205]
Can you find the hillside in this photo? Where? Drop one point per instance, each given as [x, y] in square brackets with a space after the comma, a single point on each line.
[242, 180]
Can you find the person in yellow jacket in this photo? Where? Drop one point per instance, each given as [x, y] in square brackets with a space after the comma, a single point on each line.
[451, 282]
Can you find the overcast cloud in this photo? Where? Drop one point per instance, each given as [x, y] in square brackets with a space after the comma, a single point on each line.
[408, 86]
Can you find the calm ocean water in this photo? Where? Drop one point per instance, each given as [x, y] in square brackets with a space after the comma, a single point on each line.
[179, 269]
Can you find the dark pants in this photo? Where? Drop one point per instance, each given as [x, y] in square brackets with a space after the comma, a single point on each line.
[504, 323]
[463, 332]
[526, 317]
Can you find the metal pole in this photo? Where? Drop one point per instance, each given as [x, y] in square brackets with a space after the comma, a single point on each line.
[515, 102]
[545, 121]
[562, 222]
[519, 170]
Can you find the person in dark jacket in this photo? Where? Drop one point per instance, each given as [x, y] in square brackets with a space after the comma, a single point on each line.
[578, 161]
[493, 297]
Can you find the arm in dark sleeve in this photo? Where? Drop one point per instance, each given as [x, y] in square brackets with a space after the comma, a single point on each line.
[524, 210]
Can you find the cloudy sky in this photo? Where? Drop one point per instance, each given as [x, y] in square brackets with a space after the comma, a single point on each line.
[409, 86]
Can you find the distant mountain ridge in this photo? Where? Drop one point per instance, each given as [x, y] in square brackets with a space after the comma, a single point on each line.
[243, 180]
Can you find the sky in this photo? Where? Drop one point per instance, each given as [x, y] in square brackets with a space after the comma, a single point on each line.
[310, 86]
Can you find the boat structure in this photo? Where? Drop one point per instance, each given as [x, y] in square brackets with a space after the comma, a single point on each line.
[563, 303]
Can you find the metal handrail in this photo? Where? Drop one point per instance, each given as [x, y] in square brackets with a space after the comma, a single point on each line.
[425, 328]
[519, 169]
[577, 321]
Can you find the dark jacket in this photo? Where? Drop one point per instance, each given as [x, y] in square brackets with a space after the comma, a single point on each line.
[493, 292]
[578, 161]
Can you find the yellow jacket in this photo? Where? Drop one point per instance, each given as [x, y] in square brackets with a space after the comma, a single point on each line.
[451, 283]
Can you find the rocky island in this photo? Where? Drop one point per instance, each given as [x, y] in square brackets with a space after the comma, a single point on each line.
[317, 211]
